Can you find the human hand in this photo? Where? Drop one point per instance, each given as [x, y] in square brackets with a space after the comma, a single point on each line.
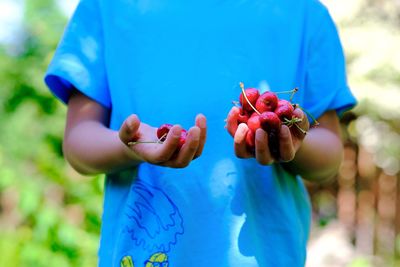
[148, 149]
[288, 140]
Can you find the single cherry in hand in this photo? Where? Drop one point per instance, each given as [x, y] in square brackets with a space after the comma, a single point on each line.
[162, 133]
[252, 95]
[243, 116]
[254, 122]
[284, 110]
[267, 101]
[163, 130]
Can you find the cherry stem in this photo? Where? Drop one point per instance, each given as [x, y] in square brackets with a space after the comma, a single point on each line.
[144, 142]
[301, 130]
[248, 101]
[288, 92]
[292, 92]
[148, 142]
[292, 95]
[294, 122]
[316, 123]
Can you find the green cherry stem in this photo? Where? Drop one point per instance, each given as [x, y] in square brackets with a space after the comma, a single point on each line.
[316, 123]
[148, 142]
[300, 129]
[292, 92]
[248, 101]
[288, 92]
[292, 95]
[144, 142]
[294, 122]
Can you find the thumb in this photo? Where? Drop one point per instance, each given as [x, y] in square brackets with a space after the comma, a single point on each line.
[129, 129]
[232, 121]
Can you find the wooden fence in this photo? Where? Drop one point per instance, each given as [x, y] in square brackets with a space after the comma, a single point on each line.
[365, 200]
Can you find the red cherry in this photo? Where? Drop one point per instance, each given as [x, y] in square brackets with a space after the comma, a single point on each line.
[269, 121]
[284, 110]
[163, 130]
[252, 95]
[250, 140]
[268, 101]
[182, 139]
[254, 122]
[243, 116]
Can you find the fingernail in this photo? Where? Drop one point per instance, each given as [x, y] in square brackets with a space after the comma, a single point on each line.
[176, 132]
[259, 135]
[195, 137]
[202, 123]
[285, 132]
[129, 125]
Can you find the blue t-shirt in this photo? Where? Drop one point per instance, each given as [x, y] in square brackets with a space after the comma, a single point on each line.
[170, 60]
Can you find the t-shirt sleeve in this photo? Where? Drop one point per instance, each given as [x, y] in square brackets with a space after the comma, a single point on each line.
[326, 81]
[78, 62]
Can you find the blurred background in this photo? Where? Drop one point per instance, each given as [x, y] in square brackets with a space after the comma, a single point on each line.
[50, 215]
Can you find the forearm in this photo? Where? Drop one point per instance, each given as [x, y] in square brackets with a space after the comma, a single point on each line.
[319, 156]
[92, 148]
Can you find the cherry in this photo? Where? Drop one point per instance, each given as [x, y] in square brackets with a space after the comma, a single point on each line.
[269, 121]
[163, 130]
[252, 95]
[284, 110]
[251, 140]
[268, 101]
[254, 122]
[182, 139]
[243, 116]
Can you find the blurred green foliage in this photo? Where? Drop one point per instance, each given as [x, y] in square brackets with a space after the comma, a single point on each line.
[49, 215]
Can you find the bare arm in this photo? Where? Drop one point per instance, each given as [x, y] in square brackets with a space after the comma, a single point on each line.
[320, 154]
[90, 147]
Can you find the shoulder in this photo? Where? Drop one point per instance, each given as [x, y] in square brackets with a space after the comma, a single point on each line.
[318, 20]
[316, 10]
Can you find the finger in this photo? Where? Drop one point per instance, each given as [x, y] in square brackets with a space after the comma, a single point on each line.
[167, 149]
[239, 140]
[232, 120]
[263, 155]
[300, 129]
[129, 128]
[287, 151]
[201, 122]
[189, 148]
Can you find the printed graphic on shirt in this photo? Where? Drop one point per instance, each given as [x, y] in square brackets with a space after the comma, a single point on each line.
[158, 259]
[127, 262]
[154, 221]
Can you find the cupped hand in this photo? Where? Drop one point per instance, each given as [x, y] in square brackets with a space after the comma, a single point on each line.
[289, 139]
[147, 147]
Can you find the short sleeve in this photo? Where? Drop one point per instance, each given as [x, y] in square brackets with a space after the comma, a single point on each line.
[78, 62]
[326, 82]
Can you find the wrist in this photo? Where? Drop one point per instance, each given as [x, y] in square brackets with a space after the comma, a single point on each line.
[128, 154]
[319, 157]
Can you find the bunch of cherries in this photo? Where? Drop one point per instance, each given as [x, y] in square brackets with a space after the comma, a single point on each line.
[268, 112]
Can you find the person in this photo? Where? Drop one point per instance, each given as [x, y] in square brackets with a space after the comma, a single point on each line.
[126, 67]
